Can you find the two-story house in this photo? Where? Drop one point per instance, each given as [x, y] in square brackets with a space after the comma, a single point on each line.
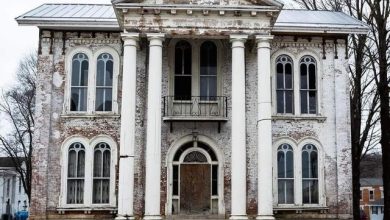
[191, 109]
[371, 198]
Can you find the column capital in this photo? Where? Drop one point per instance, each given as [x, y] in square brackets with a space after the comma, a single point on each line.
[155, 39]
[130, 39]
[238, 40]
[263, 41]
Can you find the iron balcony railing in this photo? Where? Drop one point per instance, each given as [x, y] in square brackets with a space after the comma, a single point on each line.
[195, 108]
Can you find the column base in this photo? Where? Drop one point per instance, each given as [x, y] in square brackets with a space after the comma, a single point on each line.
[124, 218]
[265, 217]
[152, 217]
[238, 217]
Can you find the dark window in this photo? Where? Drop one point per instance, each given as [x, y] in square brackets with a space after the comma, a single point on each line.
[175, 180]
[308, 72]
[285, 158]
[79, 82]
[76, 169]
[208, 71]
[310, 174]
[104, 82]
[183, 71]
[101, 173]
[284, 84]
[214, 179]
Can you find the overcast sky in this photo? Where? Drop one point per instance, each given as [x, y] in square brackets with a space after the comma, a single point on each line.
[16, 41]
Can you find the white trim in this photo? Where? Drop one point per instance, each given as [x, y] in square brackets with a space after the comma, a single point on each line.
[296, 81]
[297, 147]
[91, 93]
[195, 71]
[89, 145]
[169, 162]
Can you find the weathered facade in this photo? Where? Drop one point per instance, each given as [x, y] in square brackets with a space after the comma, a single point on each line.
[170, 109]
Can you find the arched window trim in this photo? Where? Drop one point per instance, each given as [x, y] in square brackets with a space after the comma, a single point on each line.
[89, 153]
[308, 90]
[297, 147]
[297, 102]
[284, 60]
[196, 44]
[91, 96]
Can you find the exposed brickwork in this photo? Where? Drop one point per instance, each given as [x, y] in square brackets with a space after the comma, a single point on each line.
[53, 127]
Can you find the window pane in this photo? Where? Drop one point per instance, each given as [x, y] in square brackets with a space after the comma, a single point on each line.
[105, 191]
[175, 180]
[314, 191]
[97, 164]
[97, 191]
[288, 76]
[304, 102]
[75, 191]
[183, 60]
[100, 73]
[314, 165]
[84, 73]
[81, 164]
[78, 99]
[214, 180]
[289, 102]
[289, 164]
[303, 76]
[306, 191]
[208, 87]
[182, 87]
[72, 163]
[289, 191]
[313, 102]
[281, 164]
[103, 99]
[312, 76]
[106, 163]
[280, 101]
[75, 73]
[281, 191]
[208, 59]
[109, 72]
[305, 164]
[279, 76]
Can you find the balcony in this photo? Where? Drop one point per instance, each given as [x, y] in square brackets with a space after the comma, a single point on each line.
[195, 108]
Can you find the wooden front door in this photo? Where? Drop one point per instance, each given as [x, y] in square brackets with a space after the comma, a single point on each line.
[195, 191]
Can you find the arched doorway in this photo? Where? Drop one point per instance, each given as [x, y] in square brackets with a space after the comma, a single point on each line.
[194, 179]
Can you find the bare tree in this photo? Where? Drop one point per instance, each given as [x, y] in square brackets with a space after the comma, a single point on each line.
[17, 106]
[364, 98]
[380, 11]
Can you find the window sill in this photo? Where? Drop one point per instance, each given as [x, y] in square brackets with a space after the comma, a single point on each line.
[301, 208]
[90, 115]
[87, 209]
[318, 118]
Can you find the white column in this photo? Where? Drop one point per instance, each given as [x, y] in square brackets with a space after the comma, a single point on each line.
[127, 138]
[264, 128]
[153, 135]
[238, 177]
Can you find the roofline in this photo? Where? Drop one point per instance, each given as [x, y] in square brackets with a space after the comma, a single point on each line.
[319, 29]
[72, 24]
[197, 7]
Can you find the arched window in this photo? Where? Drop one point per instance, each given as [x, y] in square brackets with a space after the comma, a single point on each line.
[285, 159]
[104, 82]
[101, 173]
[76, 174]
[309, 174]
[79, 82]
[183, 71]
[284, 84]
[208, 71]
[308, 69]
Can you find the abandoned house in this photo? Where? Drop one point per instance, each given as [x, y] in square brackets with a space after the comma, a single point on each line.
[171, 109]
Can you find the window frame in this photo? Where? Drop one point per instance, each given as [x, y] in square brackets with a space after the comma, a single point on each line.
[92, 74]
[308, 90]
[195, 67]
[297, 149]
[89, 145]
[373, 195]
[284, 89]
[296, 57]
